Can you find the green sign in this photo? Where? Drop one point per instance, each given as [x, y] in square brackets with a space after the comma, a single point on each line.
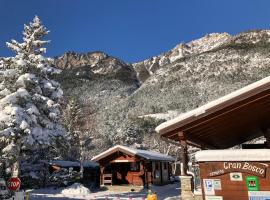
[252, 183]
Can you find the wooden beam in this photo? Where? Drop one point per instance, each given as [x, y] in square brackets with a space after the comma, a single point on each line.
[181, 136]
[101, 175]
[178, 143]
[195, 142]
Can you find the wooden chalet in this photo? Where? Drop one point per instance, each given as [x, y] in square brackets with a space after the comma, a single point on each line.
[228, 121]
[121, 165]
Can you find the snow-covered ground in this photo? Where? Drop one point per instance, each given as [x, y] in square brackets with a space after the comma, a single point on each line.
[166, 192]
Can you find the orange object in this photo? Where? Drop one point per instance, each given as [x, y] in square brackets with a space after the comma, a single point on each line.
[152, 196]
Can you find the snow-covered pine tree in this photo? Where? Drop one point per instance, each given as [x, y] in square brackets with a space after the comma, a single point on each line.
[29, 99]
[71, 120]
[80, 138]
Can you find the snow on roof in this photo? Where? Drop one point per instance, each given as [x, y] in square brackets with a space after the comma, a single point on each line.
[233, 155]
[225, 99]
[66, 163]
[149, 155]
[89, 163]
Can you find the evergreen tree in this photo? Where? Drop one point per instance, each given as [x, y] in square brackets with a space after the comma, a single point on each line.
[79, 137]
[29, 100]
[71, 121]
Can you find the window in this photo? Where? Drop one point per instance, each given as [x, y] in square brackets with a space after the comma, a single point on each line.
[135, 166]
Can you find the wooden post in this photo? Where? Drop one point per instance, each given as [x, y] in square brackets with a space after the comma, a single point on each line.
[161, 172]
[186, 190]
[146, 175]
[151, 165]
[183, 154]
[101, 175]
[145, 182]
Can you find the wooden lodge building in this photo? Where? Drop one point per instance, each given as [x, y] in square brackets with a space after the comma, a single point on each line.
[224, 123]
[121, 165]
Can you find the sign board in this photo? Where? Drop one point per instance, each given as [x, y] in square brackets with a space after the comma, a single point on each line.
[217, 184]
[20, 195]
[252, 183]
[208, 185]
[259, 195]
[13, 183]
[213, 198]
[236, 176]
[253, 168]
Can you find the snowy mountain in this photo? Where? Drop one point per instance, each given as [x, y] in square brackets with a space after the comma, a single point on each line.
[210, 42]
[97, 62]
[115, 95]
[147, 67]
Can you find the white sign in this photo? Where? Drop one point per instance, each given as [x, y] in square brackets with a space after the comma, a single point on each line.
[120, 161]
[19, 196]
[236, 176]
[258, 195]
[217, 184]
[208, 185]
[213, 198]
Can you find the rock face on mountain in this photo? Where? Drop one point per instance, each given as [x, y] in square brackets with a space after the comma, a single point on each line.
[210, 42]
[147, 67]
[181, 79]
[97, 63]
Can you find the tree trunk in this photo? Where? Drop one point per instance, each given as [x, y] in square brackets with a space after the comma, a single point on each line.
[81, 156]
[16, 165]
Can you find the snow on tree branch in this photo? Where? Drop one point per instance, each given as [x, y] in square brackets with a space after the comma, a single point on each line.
[29, 99]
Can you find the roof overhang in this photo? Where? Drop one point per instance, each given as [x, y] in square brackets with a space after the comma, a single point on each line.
[230, 120]
[111, 151]
[255, 155]
[144, 154]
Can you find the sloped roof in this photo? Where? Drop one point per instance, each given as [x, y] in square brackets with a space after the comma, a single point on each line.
[148, 155]
[66, 163]
[227, 121]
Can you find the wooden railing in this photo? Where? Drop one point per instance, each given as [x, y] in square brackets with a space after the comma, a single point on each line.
[107, 179]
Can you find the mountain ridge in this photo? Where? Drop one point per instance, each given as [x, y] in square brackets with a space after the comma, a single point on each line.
[176, 81]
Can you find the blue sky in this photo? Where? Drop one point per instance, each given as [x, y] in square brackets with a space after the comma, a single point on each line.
[132, 30]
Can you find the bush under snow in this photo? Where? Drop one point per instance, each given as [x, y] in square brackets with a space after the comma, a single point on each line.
[76, 189]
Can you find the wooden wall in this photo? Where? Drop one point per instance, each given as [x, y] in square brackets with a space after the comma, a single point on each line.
[230, 188]
[146, 172]
[119, 159]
